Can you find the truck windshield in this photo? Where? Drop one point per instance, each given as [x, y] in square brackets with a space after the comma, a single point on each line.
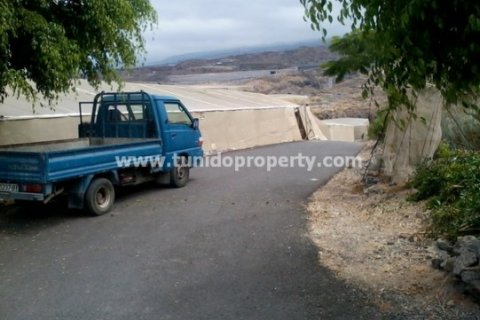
[176, 113]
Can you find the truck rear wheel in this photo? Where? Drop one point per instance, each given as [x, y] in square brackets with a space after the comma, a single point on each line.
[100, 196]
[180, 174]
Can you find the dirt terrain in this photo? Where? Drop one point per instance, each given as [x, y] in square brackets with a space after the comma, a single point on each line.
[327, 98]
[372, 237]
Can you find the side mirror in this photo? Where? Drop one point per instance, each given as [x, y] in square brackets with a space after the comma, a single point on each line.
[195, 124]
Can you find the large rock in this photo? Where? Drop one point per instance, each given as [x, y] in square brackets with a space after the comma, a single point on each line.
[406, 147]
[466, 250]
[470, 243]
[463, 261]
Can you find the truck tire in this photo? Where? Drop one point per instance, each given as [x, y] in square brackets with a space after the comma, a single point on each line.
[100, 196]
[180, 174]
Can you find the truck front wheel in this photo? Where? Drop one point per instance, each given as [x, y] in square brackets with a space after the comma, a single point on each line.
[100, 196]
[180, 174]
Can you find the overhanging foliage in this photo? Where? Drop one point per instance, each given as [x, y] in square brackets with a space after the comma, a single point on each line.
[403, 45]
[46, 44]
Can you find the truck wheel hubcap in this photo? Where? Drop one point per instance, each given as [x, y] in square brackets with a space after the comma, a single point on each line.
[181, 173]
[102, 198]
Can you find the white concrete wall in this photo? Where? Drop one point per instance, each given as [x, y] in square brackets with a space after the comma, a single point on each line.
[221, 130]
[27, 130]
[246, 128]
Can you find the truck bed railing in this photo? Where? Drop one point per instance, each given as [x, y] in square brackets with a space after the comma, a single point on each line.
[127, 98]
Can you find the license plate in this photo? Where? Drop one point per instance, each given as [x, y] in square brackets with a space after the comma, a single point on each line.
[8, 187]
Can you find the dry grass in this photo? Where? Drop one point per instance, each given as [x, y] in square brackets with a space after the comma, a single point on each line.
[344, 100]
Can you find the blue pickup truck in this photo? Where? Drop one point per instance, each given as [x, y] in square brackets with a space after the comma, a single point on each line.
[131, 138]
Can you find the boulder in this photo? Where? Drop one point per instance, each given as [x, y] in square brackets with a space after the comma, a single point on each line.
[406, 147]
[466, 259]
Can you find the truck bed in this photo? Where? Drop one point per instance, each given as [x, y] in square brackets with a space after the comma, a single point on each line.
[65, 159]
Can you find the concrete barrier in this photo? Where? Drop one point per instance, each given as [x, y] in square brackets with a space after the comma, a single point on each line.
[28, 130]
[344, 129]
[221, 130]
[246, 128]
[229, 118]
[309, 124]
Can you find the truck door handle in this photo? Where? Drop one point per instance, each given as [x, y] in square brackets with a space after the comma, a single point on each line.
[174, 135]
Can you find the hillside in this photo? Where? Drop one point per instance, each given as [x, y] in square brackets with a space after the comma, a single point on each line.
[300, 58]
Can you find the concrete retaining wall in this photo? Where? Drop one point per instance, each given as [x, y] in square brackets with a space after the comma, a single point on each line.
[221, 130]
[246, 128]
[13, 131]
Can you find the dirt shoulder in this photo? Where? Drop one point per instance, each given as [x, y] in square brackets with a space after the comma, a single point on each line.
[374, 239]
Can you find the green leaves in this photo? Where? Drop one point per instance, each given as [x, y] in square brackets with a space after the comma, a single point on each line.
[404, 45]
[450, 185]
[46, 45]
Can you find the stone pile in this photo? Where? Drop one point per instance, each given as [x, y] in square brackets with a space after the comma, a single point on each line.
[462, 259]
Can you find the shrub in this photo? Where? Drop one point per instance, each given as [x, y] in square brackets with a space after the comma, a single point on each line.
[451, 185]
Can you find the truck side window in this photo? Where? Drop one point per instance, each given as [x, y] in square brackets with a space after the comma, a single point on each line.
[117, 113]
[176, 114]
[140, 112]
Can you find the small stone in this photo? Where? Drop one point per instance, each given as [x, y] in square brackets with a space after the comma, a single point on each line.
[474, 288]
[369, 181]
[372, 190]
[420, 215]
[467, 239]
[447, 264]
[437, 264]
[470, 275]
[450, 303]
[444, 245]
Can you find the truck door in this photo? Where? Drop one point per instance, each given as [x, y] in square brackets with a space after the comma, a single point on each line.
[179, 132]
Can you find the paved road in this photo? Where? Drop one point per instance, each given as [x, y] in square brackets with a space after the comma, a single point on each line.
[228, 246]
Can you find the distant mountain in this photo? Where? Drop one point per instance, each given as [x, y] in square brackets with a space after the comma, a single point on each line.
[276, 58]
[216, 54]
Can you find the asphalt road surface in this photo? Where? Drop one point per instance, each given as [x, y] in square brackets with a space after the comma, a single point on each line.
[230, 245]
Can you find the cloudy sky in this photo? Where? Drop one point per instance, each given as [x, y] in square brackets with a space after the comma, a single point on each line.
[187, 26]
